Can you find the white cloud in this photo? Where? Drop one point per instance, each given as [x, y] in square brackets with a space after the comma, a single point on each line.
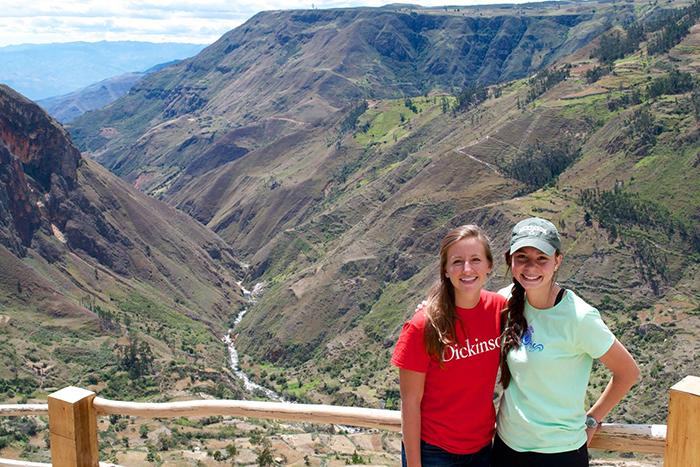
[41, 21]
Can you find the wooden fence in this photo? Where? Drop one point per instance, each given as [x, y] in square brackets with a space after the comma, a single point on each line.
[73, 416]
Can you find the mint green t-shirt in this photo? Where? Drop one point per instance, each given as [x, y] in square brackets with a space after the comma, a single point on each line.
[542, 410]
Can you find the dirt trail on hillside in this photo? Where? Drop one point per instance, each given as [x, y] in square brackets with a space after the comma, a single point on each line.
[490, 166]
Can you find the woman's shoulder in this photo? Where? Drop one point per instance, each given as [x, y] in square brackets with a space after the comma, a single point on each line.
[577, 308]
[580, 305]
[418, 319]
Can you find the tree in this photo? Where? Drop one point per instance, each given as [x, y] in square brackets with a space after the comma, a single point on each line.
[265, 458]
[136, 357]
[357, 459]
[165, 442]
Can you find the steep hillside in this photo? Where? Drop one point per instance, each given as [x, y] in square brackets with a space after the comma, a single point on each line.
[100, 285]
[300, 66]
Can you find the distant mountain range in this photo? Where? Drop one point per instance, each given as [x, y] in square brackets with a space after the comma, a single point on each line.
[69, 106]
[40, 71]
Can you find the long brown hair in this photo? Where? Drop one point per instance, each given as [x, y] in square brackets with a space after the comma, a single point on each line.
[513, 322]
[440, 312]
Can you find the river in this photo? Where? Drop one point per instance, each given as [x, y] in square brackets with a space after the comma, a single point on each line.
[250, 386]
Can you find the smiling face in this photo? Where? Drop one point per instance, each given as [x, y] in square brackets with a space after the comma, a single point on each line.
[467, 267]
[534, 270]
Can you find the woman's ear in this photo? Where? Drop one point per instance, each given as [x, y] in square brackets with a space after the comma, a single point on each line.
[557, 261]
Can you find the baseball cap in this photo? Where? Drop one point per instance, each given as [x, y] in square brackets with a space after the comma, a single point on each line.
[537, 233]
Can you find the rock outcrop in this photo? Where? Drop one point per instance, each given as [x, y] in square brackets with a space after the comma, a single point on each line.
[57, 207]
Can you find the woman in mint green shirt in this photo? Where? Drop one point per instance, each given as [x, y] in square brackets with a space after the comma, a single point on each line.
[550, 339]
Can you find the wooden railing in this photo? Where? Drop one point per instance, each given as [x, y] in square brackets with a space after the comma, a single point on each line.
[73, 416]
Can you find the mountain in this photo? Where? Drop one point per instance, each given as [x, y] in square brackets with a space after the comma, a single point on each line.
[292, 68]
[97, 278]
[342, 219]
[40, 71]
[69, 106]
[336, 180]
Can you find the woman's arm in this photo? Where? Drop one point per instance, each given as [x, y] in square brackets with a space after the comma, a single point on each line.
[625, 372]
[411, 384]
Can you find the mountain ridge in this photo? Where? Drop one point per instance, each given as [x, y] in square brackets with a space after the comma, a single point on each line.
[41, 71]
[317, 62]
[69, 106]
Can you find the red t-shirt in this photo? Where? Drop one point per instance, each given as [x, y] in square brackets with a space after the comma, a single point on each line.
[457, 412]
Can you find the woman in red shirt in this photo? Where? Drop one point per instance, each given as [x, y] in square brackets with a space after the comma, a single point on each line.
[448, 356]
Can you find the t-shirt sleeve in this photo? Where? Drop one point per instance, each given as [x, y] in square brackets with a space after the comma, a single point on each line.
[410, 353]
[593, 336]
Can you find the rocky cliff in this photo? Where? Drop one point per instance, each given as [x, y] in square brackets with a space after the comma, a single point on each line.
[57, 208]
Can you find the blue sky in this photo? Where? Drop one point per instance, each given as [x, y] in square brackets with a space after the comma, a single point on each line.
[200, 22]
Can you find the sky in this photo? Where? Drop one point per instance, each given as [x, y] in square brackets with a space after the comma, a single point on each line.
[193, 21]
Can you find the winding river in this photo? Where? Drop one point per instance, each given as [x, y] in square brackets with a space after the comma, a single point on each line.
[250, 386]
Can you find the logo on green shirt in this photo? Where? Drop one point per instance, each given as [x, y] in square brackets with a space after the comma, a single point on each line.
[529, 343]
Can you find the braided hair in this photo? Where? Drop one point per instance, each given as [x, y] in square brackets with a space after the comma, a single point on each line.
[513, 323]
[441, 312]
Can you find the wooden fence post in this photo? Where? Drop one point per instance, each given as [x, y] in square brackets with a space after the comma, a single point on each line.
[73, 427]
[683, 433]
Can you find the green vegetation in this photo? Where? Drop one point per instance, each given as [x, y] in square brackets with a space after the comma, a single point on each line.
[381, 125]
[26, 387]
[18, 430]
[597, 72]
[614, 46]
[662, 34]
[136, 358]
[672, 28]
[619, 208]
[470, 96]
[350, 121]
[643, 126]
[675, 82]
[540, 165]
[545, 80]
